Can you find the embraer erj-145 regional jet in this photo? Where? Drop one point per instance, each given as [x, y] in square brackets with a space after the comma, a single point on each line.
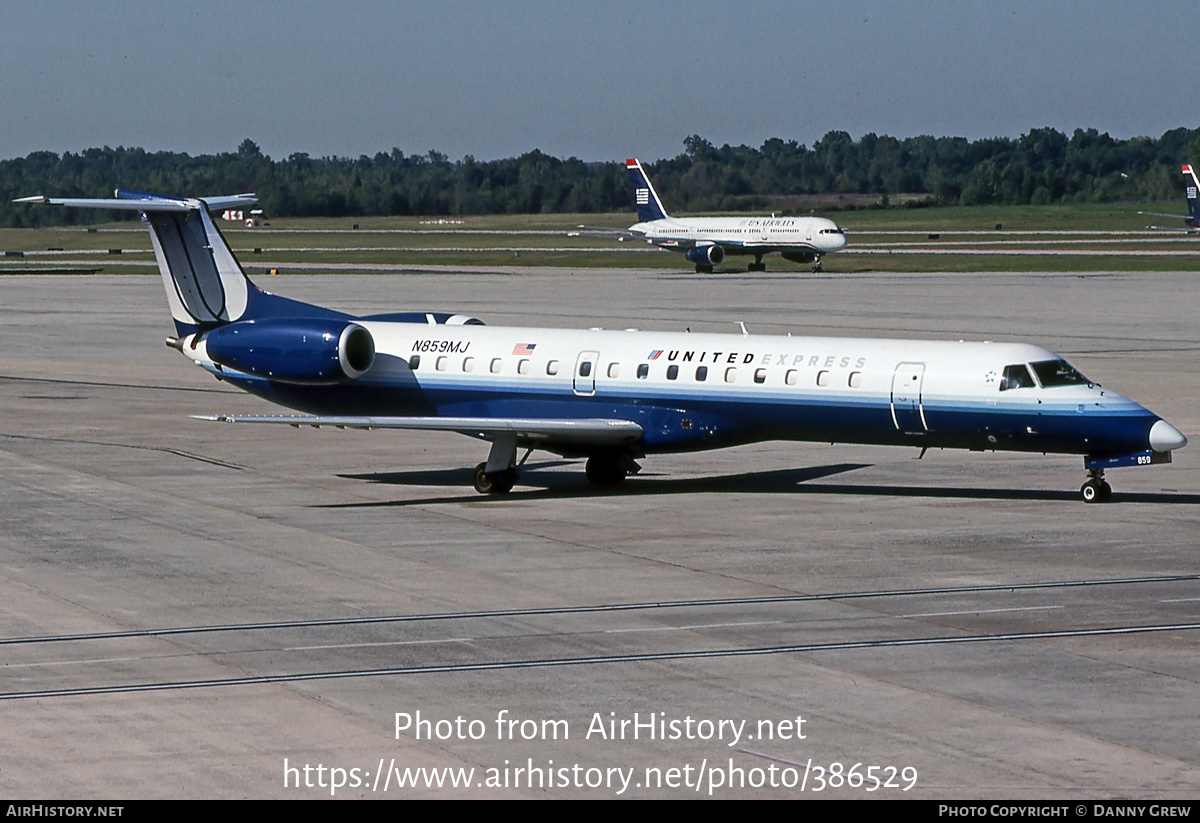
[707, 240]
[616, 396]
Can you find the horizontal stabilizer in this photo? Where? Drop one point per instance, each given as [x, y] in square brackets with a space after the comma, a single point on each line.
[596, 431]
[145, 202]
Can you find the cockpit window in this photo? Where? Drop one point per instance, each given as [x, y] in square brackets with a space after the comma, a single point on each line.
[1016, 377]
[1054, 373]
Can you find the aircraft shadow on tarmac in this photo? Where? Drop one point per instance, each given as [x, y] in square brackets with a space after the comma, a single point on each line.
[548, 484]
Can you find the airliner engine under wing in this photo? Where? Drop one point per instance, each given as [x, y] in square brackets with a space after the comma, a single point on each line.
[706, 241]
[614, 397]
[1192, 194]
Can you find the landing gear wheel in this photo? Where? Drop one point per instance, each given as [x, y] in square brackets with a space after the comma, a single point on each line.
[605, 471]
[704, 269]
[757, 266]
[494, 482]
[1096, 491]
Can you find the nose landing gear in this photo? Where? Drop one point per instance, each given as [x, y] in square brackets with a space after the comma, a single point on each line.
[1096, 489]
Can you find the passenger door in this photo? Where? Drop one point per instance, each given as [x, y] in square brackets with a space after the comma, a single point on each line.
[908, 412]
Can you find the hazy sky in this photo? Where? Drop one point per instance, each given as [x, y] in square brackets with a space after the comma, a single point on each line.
[595, 80]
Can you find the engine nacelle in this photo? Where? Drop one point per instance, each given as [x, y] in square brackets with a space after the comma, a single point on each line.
[799, 256]
[709, 255]
[294, 350]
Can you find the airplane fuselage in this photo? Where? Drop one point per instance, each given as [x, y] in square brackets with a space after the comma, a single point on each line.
[700, 391]
[750, 235]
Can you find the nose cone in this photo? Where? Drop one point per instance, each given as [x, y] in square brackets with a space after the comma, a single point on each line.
[1164, 437]
[835, 239]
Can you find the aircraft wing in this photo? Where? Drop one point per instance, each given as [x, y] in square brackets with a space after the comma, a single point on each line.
[607, 233]
[1185, 229]
[1161, 214]
[593, 431]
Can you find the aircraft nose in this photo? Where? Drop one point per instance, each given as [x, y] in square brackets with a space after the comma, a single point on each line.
[1164, 437]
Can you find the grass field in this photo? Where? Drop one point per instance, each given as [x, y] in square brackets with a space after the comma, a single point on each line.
[1074, 238]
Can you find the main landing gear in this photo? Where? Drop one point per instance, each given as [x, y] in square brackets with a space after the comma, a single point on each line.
[601, 469]
[757, 265]
[609, 469]
[1096, 489]
[703, 269]
[500, 482]
[499, 474]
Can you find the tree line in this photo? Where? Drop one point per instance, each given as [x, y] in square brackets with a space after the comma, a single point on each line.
[1043, 166]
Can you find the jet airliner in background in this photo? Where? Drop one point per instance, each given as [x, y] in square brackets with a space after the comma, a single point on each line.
[1192, 218]
[615, 397]
[706, 241]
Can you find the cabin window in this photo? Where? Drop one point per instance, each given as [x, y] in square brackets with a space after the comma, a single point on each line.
[730, 374]
[441, 363]
[701, 373]
[1017, 377]
[672, 372]
[823, 378]
[855, 379]
[614, 369]
[414, 362]
[523, 366]
[760, 375]
[643, 371]
[495, 367]
[792, 377]
[468, 364]
[552, 367]
[585, 368]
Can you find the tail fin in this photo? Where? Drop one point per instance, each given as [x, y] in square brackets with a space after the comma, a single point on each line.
[649, 207]
[205, 285]
[1193, 196]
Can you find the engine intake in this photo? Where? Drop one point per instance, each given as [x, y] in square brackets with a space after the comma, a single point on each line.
[295, 350]
[708, 255]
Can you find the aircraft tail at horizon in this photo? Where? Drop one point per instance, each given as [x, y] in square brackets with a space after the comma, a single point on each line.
[1193, 197]
[649, 207]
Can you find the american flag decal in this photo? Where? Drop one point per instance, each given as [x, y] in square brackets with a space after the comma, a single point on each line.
[643, 197]
[524, 348]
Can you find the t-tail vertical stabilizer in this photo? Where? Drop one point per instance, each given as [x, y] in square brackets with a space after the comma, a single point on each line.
[205, 284]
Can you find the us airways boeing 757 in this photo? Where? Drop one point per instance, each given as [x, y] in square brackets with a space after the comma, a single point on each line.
[706, 241]
[615, 397]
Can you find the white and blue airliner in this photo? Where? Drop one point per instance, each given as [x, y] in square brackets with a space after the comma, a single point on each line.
[707, 241]
[615, 397]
